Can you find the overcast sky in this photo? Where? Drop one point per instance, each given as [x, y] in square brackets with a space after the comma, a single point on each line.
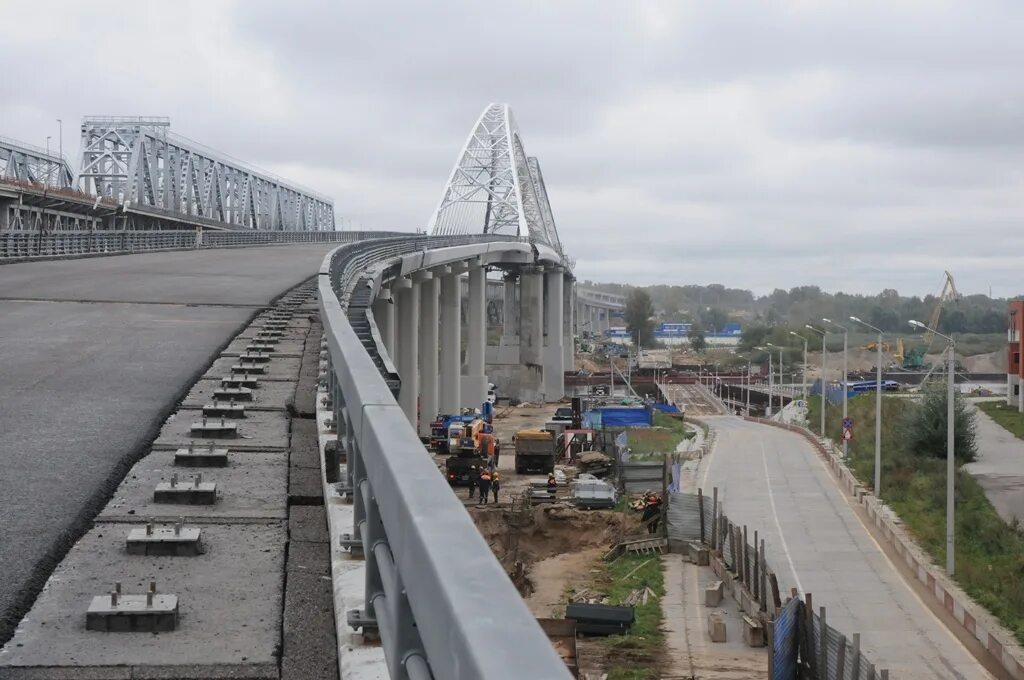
[853, 145]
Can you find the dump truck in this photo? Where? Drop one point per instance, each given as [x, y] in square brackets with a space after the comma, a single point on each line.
[535, 451]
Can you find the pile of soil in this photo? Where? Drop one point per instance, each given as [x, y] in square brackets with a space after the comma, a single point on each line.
[993, 362]
[552, 530]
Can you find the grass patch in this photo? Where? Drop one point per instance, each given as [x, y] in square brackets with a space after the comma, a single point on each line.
[989, 552]
[663, 437]
[638, 654]
[1009, 417]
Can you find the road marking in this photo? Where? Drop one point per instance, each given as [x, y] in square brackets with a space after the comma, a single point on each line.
[775, 516]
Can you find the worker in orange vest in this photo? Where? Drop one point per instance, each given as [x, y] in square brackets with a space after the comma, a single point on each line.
[485, 486]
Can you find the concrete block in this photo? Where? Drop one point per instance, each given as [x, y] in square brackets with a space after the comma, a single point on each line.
[753, 632]
[149, 613]
[172, 540]
[203, 456]
[224, 409]
[247, 367]
[216, 428]
[278, 368]
[256, 357]
[716, 626]
[713, 594]
[307, 524]
[240, 380]
[196, 492]
[698, 553]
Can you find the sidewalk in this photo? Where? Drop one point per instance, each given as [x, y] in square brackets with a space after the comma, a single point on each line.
[1000, 467]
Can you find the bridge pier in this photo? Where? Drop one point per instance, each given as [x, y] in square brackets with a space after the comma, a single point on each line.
[568, 318]
[451, 341]
[554, 355]
[474, 383]
[429, 327]
[408, 303]
[384, 315]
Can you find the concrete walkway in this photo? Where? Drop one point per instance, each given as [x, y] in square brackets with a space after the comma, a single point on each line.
[1000, 467]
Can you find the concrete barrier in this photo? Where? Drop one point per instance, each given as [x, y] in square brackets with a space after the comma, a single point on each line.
[1000, 644]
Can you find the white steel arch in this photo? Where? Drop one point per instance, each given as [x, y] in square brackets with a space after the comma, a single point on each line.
[494, 188]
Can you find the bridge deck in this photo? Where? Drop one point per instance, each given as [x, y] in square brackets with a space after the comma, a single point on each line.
[93, 355]
[773, 481]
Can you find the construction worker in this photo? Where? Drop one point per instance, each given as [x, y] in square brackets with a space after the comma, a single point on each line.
[652, 513]
[552, 484]
[485, 486]
[473, 475]
[495, 483]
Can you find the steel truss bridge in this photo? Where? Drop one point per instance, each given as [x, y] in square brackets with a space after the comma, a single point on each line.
[136, 174]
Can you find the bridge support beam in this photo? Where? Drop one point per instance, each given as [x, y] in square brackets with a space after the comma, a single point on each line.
[407, 331]
[554, 356]
[429, 326]
[474, 383]
[568, 311]
[451, 341]
[510, 311]
[384, 315]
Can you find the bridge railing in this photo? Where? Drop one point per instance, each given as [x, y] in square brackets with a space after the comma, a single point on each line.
[23, 245]
[440, 601]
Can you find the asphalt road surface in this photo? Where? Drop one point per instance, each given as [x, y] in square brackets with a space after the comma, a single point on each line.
[773, 481]
[94, 354]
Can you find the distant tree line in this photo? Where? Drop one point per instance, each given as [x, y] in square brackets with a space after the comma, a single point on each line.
[715, 305]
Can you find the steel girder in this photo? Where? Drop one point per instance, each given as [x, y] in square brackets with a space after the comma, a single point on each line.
[495, 188]
[138, 161]
[26, 163]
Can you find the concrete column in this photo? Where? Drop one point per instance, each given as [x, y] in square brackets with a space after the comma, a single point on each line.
[509, 315]
[568, 310]
[429, 325]
[407, 331]
[451, 343]
[531, 317]
[384, 315]
[554, 356]
[474, 383]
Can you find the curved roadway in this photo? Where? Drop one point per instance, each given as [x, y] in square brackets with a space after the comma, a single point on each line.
[94, 354]
[775, 483]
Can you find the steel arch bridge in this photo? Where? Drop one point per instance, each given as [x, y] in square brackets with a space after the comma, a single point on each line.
[495, 187]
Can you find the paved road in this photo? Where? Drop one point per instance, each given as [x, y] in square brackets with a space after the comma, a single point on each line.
[1000, 467]
[84, 384]
[774, 482]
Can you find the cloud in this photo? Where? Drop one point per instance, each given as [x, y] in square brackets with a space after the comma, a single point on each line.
[856, 146]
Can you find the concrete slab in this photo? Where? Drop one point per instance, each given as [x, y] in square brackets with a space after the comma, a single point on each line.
[307, 523]
[285, 348]
[252, 486]
[305, 486]
[269, 395]
[305, 446]
[258, 431]
[310, 648]
[281, 368]
[230, 603]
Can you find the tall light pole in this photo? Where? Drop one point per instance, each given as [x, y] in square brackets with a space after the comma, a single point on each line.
[804, 372]
[780, 373]
[771, 379]
[878, 408]
[824, 364]
[60, 138]
[748, 386]
[950, 427]
[846, 375]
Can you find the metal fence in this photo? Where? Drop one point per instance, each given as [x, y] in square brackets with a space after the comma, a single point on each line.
[440, 601]
[21, 245]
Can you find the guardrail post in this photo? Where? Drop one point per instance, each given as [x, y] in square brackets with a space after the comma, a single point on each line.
[372, 533]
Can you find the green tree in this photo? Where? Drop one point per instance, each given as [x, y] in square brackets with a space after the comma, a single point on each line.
[696, 337]
[714, 318]
[639, 321]
[925, 426]
[752, 336]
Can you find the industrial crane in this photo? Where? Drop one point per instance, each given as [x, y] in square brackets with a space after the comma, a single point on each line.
[915, 357]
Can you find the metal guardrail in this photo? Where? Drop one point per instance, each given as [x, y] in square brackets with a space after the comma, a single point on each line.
[20, 245]
[441, 602]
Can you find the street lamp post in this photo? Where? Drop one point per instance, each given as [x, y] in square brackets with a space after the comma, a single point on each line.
[846, 375]
[824, 364]
[748, 386]
[878, 408]
[780, 374]
[771, 380]
[804, 372]
[950, 432]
